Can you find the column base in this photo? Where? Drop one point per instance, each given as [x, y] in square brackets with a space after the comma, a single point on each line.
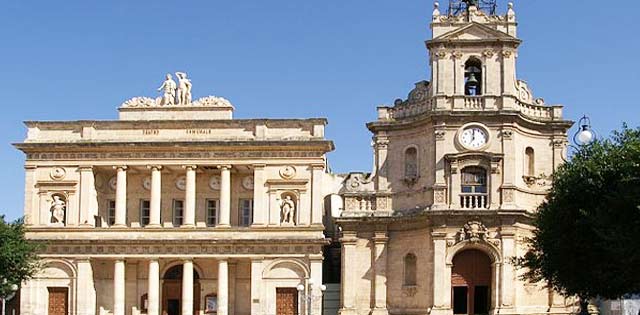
[380, 311]
[441, 311]
[118, 226]
[188, 226]
[347, 311]
[153, 226]
[223, 226]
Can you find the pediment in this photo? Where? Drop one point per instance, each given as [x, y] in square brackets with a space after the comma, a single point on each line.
[475, 31]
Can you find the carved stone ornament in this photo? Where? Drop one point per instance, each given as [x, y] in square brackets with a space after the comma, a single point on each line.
[540, 181]
[440, 54]
[409, 290]
[440, 135]
[247, 182]
[146, 183]
[212, 101]
[457, 54]
[439, 196]
[473, 231]
[506, 134]
[507, 53]
[488, 53]
[214, 182]
[507, 195]
[58, 173]
[113, 183]
[357, 181]
[288, 172]
[181, 183]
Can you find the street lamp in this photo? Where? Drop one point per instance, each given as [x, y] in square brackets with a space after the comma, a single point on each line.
[12, 292]
[585, 134]
[306, 294]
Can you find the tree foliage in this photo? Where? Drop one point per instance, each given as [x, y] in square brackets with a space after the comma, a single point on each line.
[18, 256]
[587, 241]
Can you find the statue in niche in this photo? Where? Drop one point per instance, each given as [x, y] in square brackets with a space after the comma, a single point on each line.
[288, 208]
[184, 89]
[58, 207]
[169, 88]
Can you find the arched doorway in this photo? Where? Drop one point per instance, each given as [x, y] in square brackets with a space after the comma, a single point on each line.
[471, 283]
[172, 291]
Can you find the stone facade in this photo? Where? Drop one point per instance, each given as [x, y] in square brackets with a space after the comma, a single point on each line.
[177, 208]
[130, 208]
[460, 166]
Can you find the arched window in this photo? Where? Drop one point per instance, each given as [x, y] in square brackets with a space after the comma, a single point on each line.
[530, 162]
[473, 77]
[410, 265]
[411, 163]
[474, 188]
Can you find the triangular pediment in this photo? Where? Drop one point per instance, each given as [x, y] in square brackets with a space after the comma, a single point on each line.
[475, 31]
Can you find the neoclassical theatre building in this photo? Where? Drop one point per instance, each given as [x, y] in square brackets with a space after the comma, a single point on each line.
[177, 208]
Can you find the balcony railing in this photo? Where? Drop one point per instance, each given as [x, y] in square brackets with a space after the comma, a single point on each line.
[474, 201]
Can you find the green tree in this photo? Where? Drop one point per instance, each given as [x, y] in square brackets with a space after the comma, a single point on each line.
[587, 242]
[18, 256]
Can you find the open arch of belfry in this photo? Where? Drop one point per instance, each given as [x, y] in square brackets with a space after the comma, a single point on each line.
[471, 282]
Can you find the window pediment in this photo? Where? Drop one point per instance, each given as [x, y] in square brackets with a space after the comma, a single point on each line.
[490, 161]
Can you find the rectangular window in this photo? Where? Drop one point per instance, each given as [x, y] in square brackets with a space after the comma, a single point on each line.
[111, 212]
[178, 212]
[246, 212]
[212, 212]
[145, 206]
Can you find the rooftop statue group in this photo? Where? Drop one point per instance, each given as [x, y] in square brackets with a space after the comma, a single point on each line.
[176, 94]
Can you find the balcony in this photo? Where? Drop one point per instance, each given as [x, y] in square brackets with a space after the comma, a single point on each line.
[474, 201]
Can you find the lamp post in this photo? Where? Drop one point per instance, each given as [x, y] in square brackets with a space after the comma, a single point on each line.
[306, 294]
[584, 136]
[12, 292]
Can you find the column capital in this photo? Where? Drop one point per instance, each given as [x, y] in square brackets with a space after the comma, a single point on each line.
[187, 260]
[225, 167]
[190, 167]
[30, 167]
[155, 167]
[318, 166]
[259, 165]
[85, 168]
[120, 167]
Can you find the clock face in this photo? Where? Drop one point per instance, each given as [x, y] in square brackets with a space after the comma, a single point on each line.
[474, 137]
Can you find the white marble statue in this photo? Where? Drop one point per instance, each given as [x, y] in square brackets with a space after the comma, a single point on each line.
[288, 209]
[58, 207]
[169, 88]
[183, 92]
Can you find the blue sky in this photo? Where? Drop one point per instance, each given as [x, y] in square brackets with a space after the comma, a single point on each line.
[78, 59]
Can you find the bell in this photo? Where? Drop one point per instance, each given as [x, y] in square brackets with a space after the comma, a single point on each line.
[472, 81]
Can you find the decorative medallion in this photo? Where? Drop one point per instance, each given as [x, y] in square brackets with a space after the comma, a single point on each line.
[146, 183]
[58, 173]
[112, 183]
[473, 231]
[181, 183]
[214, 182]
[288, 172]
[247, 183]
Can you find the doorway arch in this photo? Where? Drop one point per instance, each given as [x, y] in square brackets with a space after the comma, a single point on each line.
[471, 282]
[172, 291]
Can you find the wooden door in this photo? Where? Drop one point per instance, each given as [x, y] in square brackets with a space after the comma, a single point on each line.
[58, 301]
[471, 283]
[286, 301]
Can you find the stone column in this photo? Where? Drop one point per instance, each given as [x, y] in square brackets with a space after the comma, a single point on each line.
[260, 209]
[119, 287]
[187, 287]
[121, 196]
[379, 264]
[381, 147]
[156, 196]
[508, 274]
[31, 198]
[88, 196]
[225, 197]
[256, 289]
[316, 194]
[441, 275]
[153, 293]
[223, 287]
[86, 289]
[190, 197]
[315, 262]
[349, 280]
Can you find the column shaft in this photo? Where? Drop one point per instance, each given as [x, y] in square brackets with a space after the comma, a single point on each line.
[260, 209]
[380, 270]
[187, 288]
[86, 288]
[223, 287]
[156, 195]
[225, 197]
[121, 196]
[119, 288]
[190, 198]
[153, 307]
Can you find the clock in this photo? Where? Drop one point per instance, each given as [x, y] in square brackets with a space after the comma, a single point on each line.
[474, 137]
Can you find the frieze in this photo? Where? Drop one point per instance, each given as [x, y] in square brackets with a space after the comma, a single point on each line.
[179, 249]
[171, 155]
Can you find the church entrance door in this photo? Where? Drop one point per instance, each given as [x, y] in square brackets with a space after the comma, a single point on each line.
[471, 283]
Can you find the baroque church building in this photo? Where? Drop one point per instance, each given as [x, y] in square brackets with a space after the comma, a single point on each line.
[177, 208]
